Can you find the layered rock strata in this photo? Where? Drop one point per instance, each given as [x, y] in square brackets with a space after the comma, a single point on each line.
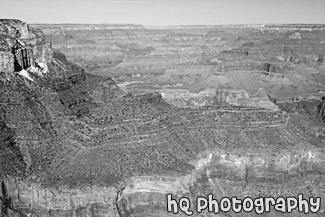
[76, 144]
[284, 61]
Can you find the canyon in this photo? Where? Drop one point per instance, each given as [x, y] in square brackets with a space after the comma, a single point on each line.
[247, 63]
[105, 120]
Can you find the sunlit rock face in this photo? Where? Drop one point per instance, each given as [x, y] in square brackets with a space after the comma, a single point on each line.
[79, 144]
[184, 98]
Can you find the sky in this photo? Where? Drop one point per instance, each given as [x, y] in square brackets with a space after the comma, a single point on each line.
[165, 12]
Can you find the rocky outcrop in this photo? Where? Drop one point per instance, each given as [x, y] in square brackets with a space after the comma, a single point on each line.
[21, 47]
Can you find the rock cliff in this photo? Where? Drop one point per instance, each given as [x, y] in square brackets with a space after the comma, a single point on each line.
[21, 47]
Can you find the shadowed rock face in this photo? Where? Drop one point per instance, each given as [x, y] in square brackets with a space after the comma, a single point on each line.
[313, 107]
[76, 144]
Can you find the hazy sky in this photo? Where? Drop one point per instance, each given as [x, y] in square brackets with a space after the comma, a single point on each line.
[165, 12]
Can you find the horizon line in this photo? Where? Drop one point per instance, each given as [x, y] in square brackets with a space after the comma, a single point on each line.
[176, 25]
